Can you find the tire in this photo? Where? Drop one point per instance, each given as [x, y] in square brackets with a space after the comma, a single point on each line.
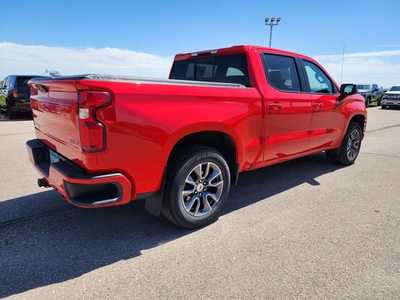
[10, 113]
[197, 187]
[348, 151]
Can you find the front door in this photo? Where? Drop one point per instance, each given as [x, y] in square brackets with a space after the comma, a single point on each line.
[327, 121]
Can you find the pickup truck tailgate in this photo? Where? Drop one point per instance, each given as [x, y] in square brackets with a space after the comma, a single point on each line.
[55, 111]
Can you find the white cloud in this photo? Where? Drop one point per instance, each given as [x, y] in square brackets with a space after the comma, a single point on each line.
[382, 67]
[24, 59]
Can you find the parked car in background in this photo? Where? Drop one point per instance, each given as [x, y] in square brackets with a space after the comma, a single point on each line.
[391, 98]
[179, 143]
[372, 93]
[15, 94]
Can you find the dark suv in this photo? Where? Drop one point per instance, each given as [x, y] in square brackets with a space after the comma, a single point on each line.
[15, 94]
[371, 92]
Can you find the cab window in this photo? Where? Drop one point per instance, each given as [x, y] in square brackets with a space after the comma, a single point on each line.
[281, 72]
[317, 80]
[217, 68]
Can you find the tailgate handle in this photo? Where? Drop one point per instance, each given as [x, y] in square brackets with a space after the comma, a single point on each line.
[41, 87]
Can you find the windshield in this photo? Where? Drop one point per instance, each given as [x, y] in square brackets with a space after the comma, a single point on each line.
[395, 88]
[363, 86]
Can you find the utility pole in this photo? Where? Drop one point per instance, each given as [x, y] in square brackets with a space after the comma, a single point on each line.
[271, 22]
[342, 68]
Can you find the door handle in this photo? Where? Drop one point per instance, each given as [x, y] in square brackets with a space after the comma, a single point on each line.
[274, 108]
[317, 106]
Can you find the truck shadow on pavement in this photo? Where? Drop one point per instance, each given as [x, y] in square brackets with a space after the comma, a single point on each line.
[44, 241]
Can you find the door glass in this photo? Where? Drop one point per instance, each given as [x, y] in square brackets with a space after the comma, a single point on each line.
[318, 81]
[281, 72]
[10, 83]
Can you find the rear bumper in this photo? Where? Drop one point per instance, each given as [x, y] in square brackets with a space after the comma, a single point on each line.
[75, 185]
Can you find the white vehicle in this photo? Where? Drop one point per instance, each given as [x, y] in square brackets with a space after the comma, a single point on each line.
[391, 98]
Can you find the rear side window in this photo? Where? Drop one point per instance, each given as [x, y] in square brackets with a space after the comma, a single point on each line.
[281, 72]
[317, 80]
[224, 68]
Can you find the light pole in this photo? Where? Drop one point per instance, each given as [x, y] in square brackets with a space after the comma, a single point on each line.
[271, 22]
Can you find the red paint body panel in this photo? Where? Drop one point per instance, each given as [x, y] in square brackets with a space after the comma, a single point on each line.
[146, 120]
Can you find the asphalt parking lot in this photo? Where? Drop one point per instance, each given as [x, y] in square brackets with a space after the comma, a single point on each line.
[303, 229]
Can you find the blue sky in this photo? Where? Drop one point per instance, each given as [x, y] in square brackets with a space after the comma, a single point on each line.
[167, 27]
[163, 28]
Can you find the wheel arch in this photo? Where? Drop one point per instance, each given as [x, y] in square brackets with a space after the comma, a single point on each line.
[222, 141]
[360, 119]
[218, 139]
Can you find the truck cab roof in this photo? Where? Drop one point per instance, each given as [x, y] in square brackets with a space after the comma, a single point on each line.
[238, 49]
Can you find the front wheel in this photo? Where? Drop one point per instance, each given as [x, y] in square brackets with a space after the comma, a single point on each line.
[348, 151]
[197, 188]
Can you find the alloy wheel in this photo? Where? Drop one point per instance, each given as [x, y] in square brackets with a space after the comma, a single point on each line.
[353, 144]
[202, 189]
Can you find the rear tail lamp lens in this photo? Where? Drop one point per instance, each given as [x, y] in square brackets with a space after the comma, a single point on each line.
[34, 90]
[92, 131]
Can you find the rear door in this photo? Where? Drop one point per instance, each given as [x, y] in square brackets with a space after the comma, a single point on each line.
[327, 122]
[288, 109]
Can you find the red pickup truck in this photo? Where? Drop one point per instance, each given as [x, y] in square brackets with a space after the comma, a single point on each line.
[180, 143]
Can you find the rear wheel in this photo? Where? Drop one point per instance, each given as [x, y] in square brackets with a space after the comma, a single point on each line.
[9, 112]
[197, 188]
[348, 151]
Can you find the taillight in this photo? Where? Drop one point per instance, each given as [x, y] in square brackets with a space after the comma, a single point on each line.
[92, 131]
[34, 90]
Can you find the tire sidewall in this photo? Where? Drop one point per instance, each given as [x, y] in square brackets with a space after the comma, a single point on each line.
[9, 109]
[176, 186]
[343, 153]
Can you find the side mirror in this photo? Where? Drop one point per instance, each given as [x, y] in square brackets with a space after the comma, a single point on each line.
[347, 89]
